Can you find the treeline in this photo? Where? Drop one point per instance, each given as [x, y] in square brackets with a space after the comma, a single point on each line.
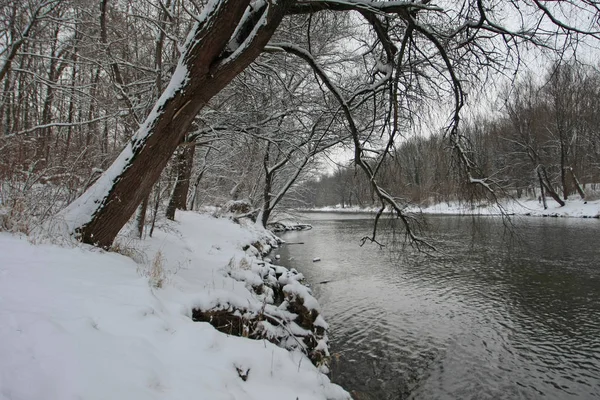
[542, 142]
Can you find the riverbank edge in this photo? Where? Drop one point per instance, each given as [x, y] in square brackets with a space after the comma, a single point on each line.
[179, 293]
[290, 291]
[528, 208]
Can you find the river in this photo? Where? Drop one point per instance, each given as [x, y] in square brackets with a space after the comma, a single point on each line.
[491, 315]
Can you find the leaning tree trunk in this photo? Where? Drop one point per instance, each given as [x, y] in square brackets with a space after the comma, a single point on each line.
[548, 185]
[577, 184]
[206, 66]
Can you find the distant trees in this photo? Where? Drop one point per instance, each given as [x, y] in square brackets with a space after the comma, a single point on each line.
[555, 126]
[544, 142]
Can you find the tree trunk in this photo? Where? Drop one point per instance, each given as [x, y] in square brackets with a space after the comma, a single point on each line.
[204, 69]
[548, 186]
[185, 161]
[156, 205]
[197, 183]
[141, 216]
[542, 195]
[563, 177]
[266, 210]
[265, 214]
[577, 184]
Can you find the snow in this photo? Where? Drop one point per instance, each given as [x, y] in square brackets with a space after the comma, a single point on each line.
[239, 48]
[81, 323]
[572, 208]
[320, 321]
[339, 208]
[248, 14]
[532, 207]
[297, 290]
[209, 9]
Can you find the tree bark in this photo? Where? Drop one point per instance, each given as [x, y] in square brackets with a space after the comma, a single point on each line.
[542, 194]
[204, 69]
[563, 173]
[547, 185]
[141, 216]
[577, 184]
[266, 210]
[265, 213]
[185, 162]
[197, 182]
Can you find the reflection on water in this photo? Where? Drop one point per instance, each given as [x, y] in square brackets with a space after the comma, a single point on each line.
[488, 317]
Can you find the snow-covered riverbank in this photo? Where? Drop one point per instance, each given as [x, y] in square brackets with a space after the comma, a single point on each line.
[573, 208]
[81, 323]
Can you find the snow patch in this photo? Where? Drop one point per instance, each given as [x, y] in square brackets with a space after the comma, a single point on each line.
[529, 207]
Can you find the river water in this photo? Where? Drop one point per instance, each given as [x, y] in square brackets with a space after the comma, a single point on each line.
[491, 315]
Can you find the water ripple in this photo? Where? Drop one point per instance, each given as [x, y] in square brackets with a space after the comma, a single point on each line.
[491, 321]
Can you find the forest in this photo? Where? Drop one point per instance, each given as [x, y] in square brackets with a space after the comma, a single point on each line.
[127, 110]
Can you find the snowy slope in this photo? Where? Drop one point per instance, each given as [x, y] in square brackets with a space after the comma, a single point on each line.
[80, 323]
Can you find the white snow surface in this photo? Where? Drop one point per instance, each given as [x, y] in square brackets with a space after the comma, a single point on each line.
[81, 323]
[573, 208]
[295, 289]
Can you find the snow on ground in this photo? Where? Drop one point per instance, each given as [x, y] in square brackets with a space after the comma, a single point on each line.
[81, 323]
[572, 208]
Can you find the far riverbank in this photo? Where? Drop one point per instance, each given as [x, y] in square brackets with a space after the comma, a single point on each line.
[530, 207]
